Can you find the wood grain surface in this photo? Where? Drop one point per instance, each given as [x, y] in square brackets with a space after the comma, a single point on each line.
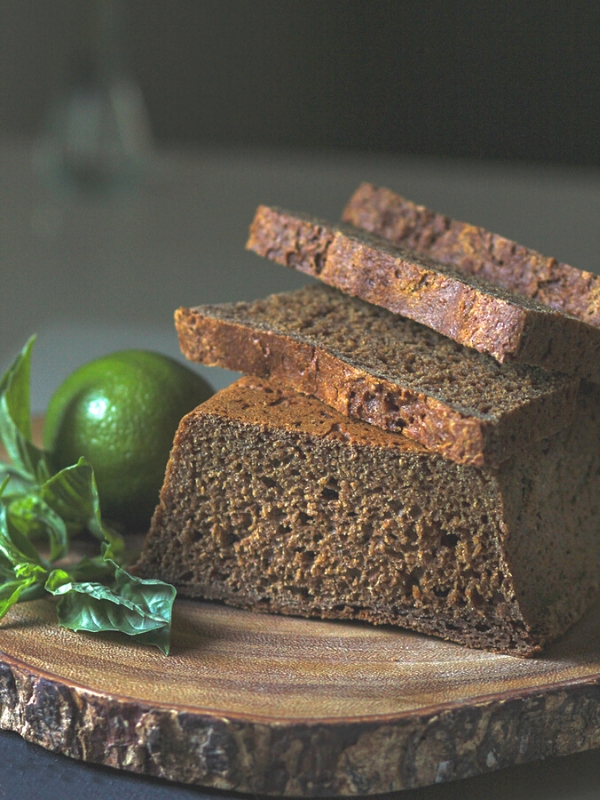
[277, 705]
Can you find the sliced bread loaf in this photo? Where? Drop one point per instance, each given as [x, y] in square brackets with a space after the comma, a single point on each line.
[475, 251]
[276, 502]
[460, 306]
[385, 369]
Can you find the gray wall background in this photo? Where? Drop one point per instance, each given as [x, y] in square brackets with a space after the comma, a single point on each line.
[501, 79]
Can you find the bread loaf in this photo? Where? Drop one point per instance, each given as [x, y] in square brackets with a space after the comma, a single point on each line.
[460, 306]
[384, 369]
[276, 502]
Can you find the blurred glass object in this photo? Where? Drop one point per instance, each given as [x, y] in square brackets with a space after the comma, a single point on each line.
[97, 136]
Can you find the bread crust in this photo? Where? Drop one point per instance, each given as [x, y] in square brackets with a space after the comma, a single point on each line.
[462, 307]
[475, 251]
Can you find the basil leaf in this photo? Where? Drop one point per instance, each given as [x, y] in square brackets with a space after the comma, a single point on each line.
[139, 608]
[29, 583]
[29, 570]
[15, 416]
[33, 517]
[11, 592]
[73, 495]
[7, 571]
[14, 546]
[14, 482]
[14, 385]
[33, 502]
[91, 569]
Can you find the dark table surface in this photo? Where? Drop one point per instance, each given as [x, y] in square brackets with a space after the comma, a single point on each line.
[27, 770]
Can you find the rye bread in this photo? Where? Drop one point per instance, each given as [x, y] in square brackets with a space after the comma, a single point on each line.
[384, 369]
[475, 251]
[276, 502]
[462, 307]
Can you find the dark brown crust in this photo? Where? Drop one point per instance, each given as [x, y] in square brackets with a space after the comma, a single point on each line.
[462, 307]
[208, 338]
[475, 251]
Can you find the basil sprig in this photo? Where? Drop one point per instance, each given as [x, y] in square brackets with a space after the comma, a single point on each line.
[38, 505]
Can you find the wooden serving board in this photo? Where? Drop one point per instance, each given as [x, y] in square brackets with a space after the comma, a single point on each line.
[276, 705]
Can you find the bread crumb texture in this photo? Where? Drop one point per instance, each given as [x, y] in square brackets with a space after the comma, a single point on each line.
[276, 502]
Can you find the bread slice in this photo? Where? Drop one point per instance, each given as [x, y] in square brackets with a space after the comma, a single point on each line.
[475, 251]
[387, 370]
[276, 502]
[463, 307]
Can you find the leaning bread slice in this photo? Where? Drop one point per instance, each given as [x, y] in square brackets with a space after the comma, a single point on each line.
[384, 369]
[276, 502]
[463, 307]
[476, 251]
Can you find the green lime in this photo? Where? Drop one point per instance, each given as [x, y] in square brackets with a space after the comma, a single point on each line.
[121, 412]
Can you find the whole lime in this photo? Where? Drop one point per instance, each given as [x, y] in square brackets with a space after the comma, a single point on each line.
[121, 412]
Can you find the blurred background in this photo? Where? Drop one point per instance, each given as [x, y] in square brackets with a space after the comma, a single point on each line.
[138, 136]
[515, 79]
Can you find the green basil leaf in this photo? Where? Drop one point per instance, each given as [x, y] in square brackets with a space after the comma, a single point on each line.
[73, 495]
[11, 592]
[28, 584]
[56, 580]
[7, 571]
[42, 472]
[7, 588]
[33, 591]
[33, 517]
[15, 415]
[14, 385]
[139, 608]
[91, 569]
[14, 482]
[30, 570]
[14, 545]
